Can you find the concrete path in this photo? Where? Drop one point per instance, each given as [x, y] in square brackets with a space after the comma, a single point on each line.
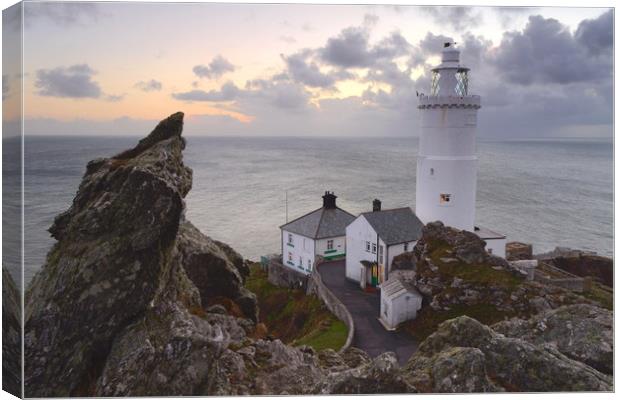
[370, 335]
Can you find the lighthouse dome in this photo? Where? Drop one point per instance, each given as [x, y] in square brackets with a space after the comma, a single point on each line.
[450, 53]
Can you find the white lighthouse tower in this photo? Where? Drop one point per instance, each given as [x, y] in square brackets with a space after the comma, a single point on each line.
[447, 162]
[446, 175]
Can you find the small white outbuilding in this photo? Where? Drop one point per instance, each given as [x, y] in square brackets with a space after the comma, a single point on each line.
[400, 301]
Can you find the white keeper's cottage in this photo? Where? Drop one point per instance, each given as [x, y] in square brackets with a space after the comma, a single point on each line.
[373, 240]
[318, 233]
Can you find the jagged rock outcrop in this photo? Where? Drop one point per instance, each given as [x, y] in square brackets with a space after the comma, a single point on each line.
[582, 332]
[464, 355]
[116, 262]
[11, 335]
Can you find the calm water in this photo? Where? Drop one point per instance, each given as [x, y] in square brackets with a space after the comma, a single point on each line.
[549, 193]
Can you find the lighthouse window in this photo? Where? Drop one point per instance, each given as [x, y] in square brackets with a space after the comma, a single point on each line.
[368, 247]
[290, 238]
[462, 83]
[374, 248]
[435, 83]
[444, 198]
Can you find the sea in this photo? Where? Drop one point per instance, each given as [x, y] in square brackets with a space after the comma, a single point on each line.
[548, 192]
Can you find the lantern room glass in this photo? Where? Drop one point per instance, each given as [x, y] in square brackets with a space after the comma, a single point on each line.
[435, 83]
[462, 83]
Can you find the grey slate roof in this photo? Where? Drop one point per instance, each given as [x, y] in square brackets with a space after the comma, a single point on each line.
[393, 288]
[395, 226]
[321, 223]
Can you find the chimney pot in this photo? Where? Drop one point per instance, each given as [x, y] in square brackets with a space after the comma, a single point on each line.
[376, 205]
[329, 199]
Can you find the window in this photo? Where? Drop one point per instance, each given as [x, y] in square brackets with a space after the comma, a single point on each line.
[374, 248]
[368, 247]
[290, 256]
[381, 254]
[330, 245]
[435, 83]
[301, 262]
[432, 171]
[462, 83]
[309, 264]
[290, 238]
[444, 198]
[406, 246]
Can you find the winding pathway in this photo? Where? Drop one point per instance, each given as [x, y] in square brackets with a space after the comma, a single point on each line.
[370, 335]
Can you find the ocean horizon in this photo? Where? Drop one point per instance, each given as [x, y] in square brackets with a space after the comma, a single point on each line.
[545, 191]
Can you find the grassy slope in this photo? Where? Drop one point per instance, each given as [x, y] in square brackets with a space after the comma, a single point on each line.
[293, 317]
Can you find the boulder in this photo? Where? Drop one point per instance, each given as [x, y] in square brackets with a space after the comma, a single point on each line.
[582, 332]
[500, 363]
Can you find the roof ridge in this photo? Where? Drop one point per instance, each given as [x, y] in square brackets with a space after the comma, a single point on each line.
[298, 218]
[389, 209]
[318, 226]
[343, 210]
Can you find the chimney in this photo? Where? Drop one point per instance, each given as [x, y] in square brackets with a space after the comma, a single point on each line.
[376, 205]
[329, 200]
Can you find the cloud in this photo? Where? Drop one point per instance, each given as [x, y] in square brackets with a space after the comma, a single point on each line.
[305, 72]
[597, 34]
[288, 39]
[61, 13]
[216, 68]
[546, 52]
[114, 97]
[459, 18]
[258, 94]
[149, 86]
[228, 92]
[70, 82]
[351, 48]
[5, 86]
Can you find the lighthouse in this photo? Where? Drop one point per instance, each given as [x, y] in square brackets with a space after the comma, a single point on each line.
[447, 162]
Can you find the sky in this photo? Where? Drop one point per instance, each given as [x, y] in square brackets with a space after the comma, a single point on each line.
[304, 70]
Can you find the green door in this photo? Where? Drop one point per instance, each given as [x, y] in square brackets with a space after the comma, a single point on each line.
[374, 279]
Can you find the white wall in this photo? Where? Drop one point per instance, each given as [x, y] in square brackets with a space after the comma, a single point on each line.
[301, 247]
[400, 309]
[358, 233]
[497, 247]
[340, 245]
[447, 147]
[397, 249]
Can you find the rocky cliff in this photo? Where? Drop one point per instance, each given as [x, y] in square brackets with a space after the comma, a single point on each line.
[11, 335]
[133, 300]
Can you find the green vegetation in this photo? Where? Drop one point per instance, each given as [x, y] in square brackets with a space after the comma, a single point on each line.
[601, 294]
[293, 317]
[478, 274]
[428, 319]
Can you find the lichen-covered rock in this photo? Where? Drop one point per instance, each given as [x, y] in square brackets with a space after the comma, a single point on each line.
[11, 335]
[509, 364]
[216, 269]
[113, 252]
[382, 375]
[582, 332]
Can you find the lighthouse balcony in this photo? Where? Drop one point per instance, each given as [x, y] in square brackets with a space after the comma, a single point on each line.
[472, 101]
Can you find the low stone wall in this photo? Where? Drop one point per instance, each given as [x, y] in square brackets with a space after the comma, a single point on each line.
[333, 304]
[283, 276]
[551, 275]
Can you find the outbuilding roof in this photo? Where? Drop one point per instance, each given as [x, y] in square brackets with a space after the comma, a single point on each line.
[321, 223]
[393, 288]
[398, 225]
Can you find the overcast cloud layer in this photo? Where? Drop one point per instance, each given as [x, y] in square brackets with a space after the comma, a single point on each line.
[542, 79]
